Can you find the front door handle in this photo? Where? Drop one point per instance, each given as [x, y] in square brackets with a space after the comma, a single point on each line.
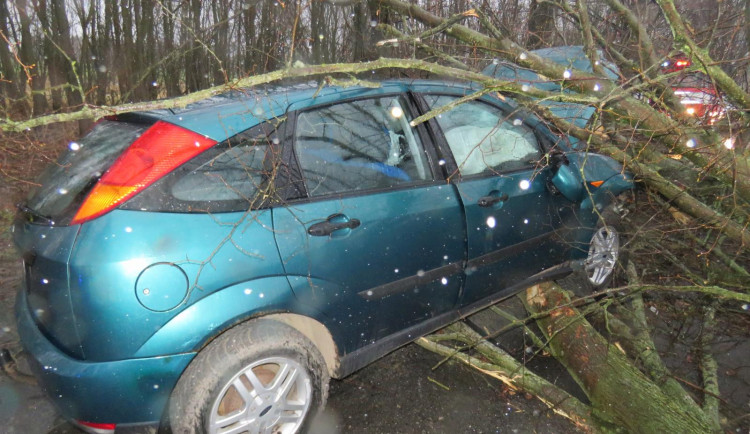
[323, 229]
[487, 201]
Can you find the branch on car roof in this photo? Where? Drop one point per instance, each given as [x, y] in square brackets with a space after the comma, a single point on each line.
[95, 112]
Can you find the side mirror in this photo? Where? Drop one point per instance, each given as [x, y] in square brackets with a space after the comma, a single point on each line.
[564, 178]
[557, 159]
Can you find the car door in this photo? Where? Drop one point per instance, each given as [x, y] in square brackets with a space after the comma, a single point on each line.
[377, 243]
[512, 215]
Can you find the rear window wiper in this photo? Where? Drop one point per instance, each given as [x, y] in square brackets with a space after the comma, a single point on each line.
[34, 214]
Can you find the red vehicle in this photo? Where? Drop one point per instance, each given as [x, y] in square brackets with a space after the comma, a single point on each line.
[695, 91]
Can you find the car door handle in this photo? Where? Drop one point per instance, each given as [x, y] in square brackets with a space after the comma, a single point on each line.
[486, 201]
[327, 227]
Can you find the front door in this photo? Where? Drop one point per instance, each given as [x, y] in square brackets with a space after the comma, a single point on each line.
[377, 245]
[511, 214]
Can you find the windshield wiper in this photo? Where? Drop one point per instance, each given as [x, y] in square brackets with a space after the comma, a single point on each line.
[34, 214]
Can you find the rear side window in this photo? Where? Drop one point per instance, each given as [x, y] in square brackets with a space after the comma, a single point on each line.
[359, 145]
[64, 185]
[235, 175]
[483, 138]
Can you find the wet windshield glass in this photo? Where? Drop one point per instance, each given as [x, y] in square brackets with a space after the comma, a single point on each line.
[64, 184]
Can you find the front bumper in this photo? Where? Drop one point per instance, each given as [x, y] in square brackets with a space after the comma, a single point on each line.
[133, 391]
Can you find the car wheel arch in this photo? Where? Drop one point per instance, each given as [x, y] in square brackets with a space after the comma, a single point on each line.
[199, 324]
[311, 328]
[317, 333]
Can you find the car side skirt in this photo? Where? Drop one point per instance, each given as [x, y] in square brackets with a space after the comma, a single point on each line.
[362, 357]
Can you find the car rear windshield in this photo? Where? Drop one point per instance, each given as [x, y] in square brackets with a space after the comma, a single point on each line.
[64, 185]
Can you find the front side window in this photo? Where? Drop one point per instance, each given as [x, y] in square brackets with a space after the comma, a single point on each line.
[359, 145]
[483, 138]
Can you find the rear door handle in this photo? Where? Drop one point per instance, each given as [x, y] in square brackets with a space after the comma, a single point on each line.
[331, 225]
[487, 201]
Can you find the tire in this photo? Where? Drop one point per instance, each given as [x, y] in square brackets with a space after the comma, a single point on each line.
[605, 253]
[262, 375]
[605, 256]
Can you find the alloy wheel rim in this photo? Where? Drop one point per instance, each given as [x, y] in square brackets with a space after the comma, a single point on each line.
[269, 396]
[603, 253]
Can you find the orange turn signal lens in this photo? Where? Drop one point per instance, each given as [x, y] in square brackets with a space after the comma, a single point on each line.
[101, 199]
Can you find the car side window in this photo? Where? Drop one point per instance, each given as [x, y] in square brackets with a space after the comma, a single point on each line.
[483, 138]
[233, 173]
[359, 145]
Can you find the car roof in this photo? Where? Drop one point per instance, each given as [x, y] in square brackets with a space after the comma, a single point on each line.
[222, 116]
[225, 115]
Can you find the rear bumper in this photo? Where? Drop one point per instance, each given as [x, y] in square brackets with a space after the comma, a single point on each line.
[133, 391]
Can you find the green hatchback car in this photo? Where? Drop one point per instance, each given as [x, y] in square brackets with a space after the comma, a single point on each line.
[212, 267]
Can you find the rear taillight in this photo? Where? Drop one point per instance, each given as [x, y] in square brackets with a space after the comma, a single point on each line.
[95, 428]
[158, 151]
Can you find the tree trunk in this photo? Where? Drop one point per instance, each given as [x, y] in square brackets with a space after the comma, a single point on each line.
[613, 384]
[171, 66]
[11, 89]
[65, 55]
[28, 57]
[541, 25]
[248, 26]
[747, 42]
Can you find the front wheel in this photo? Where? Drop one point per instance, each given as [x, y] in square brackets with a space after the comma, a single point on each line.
[604, 252]
[258, 377]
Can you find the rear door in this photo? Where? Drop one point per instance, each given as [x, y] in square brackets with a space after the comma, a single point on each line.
[512, 217]
[377, 243]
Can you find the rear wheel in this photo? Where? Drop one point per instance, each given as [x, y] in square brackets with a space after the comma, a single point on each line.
[259, 377]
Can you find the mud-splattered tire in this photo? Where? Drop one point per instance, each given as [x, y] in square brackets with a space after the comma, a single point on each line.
[263, 375]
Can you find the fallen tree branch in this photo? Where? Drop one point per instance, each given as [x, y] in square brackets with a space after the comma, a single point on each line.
[507, 369]
[244, 84]
[651, 122]
[674, 194]
[708, 365]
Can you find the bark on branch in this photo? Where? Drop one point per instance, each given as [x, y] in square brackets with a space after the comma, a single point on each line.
[605, 373]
